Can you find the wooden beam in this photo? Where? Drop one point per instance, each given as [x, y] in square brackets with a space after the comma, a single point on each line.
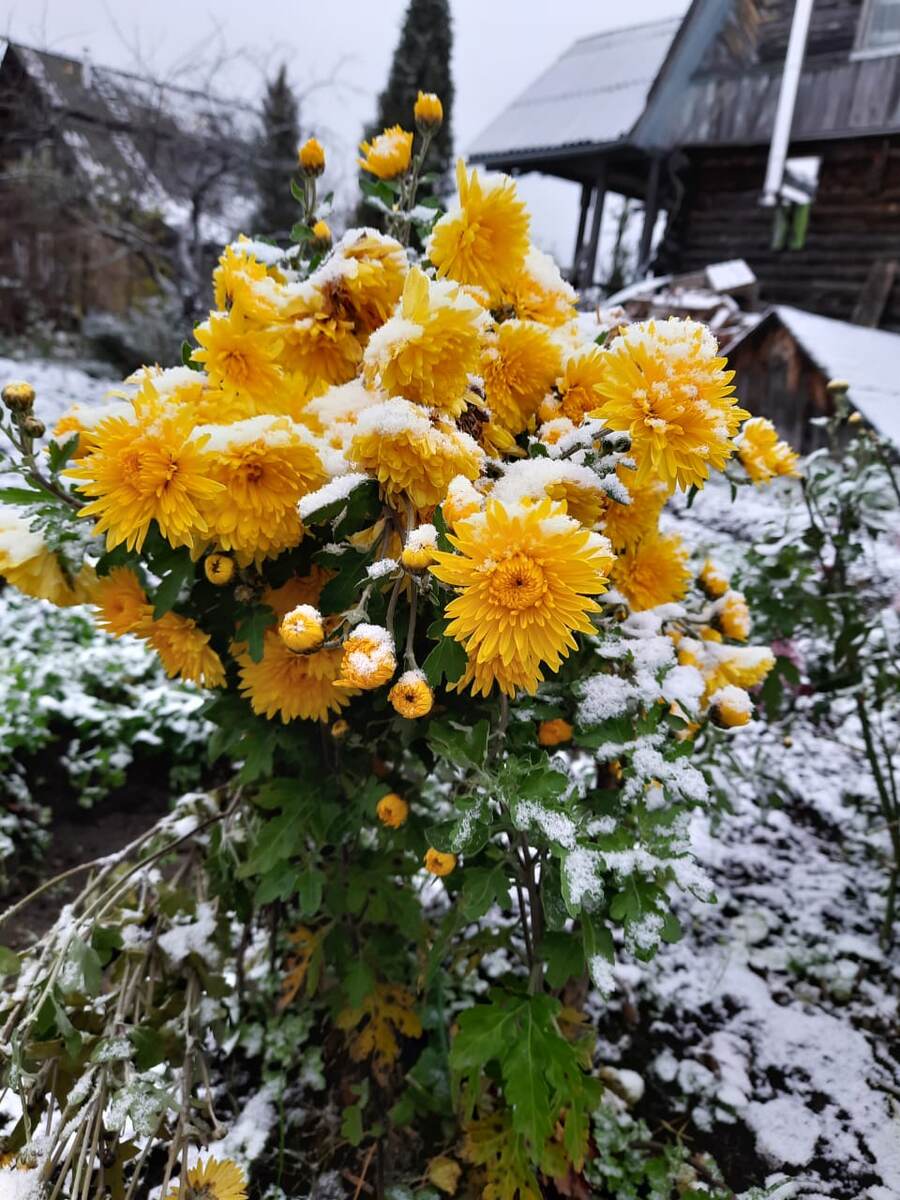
[588, 266]
[651, 211]
[582, 223]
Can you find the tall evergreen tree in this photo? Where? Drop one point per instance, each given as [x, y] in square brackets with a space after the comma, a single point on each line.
[277, 163]
[421, 63]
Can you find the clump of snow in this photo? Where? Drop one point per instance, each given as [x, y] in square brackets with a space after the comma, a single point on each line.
[381, 568]
[193, 937]
[333, 491]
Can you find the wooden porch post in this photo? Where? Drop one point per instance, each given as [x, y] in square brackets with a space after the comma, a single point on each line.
[651, 211]
[579, 237]
[589, 260]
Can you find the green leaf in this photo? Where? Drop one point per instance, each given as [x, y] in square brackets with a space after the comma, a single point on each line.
[180, 572]
[564, 958]
[187, 360]
[59, 453]
[359, 982]
[447, 660]
[297, 192]
[149, 1047]
[309, 892]
[88, 964]
[352, 1124]
[600, 339]
[458, 744]
[252, 629]
[482, 887]
[358, 509]
[301, 233]
[278, 884]
[9, 962]
[23, 495]
[485, 1031]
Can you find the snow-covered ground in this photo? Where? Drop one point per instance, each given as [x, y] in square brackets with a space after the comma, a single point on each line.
[776, 1017]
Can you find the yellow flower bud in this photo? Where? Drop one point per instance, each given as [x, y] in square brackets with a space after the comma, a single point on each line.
[429, 112]
[439, 864]
[418, 553]
[733, 616]
[392, 810]
[730, 707]
[33, 427]
[411, 696]
[18, 396]
[312, 157]
[555, 732]
[302, 629]
[340, 729]
[713, 580]
[321, 233]
[855, 418]
[219, 569]
[369, 659]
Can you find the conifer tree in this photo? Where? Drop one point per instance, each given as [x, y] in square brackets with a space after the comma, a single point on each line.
[421, 63]
[277, 210]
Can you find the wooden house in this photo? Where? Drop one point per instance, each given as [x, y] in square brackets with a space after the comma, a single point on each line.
[828, 240]
[112, 186]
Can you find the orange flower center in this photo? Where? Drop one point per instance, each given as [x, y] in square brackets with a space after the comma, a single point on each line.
[518, 582]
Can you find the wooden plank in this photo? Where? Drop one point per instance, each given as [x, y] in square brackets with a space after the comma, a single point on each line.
[874, 295]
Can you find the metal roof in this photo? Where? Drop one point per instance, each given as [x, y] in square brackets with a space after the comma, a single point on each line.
[591, 96]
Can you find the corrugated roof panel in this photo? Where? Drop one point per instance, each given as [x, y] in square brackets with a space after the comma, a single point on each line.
[592, 94]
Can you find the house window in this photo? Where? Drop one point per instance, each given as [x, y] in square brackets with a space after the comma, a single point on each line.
[879, 26]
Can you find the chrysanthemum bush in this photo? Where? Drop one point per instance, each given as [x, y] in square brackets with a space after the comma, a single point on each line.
[400, 517]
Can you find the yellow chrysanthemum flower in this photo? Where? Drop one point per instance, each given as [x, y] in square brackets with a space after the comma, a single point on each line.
[428, 350]
[713, 580]
[302, 629]
[652, 572]
[264, 465]
[184, 650]
[240, 280]
[525, 575]
[539, 292]
[579, 384]
[437, 863]
[411, 696]
[730, 707]
[392, 810]
[320, 341]
[365, 276]
[302, 589]
[240, 355]
[368, 658]
[122, 603]
[576, 488]
[321, 232]
[732, 616]
[387, 155]
[83, 419]
[664, 382]
[626, 524]
[554, 733]
[484, 240]
[484, 675]
[288, 685]
[762, 453]
[151, 470]
[212, 1180]
[410, 454]
[519, 362]
[28, 564]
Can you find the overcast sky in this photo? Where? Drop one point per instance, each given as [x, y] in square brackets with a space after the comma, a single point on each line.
[344, 47]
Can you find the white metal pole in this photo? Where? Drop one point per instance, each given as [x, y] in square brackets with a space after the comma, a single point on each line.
[787, 100]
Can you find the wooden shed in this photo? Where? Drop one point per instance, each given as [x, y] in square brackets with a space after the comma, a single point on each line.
[784, 363]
